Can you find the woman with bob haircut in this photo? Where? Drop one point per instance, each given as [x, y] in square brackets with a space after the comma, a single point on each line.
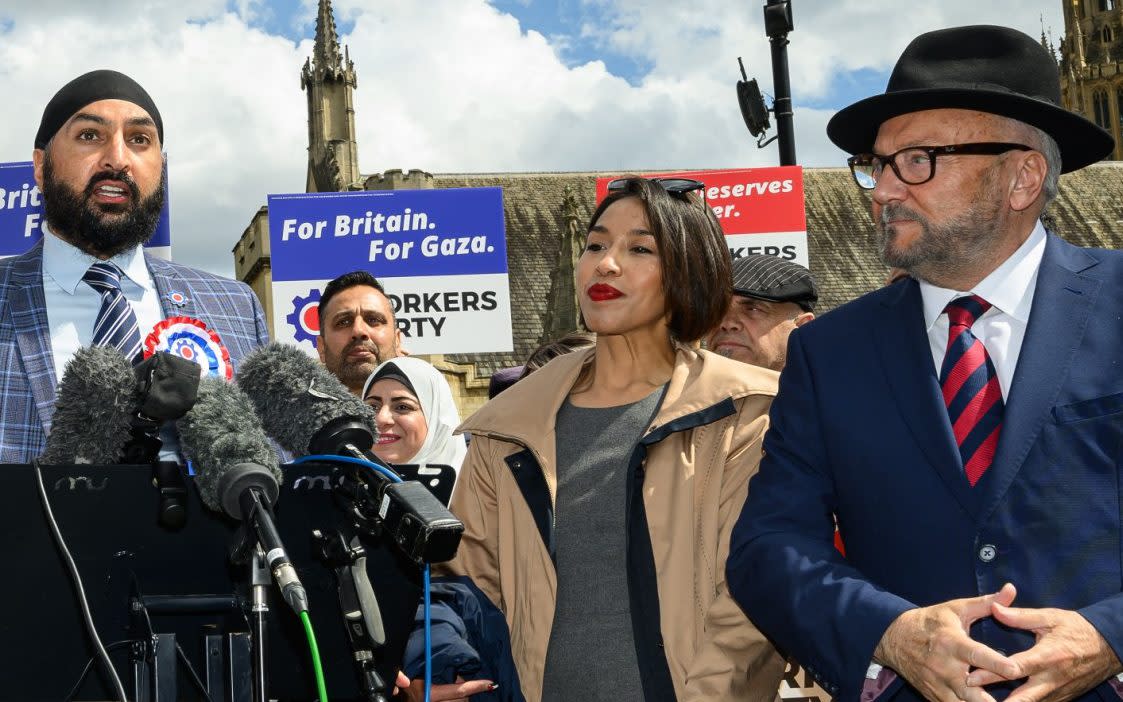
[599, 492]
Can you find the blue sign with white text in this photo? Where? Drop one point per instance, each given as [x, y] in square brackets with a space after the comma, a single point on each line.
[441, 256]
[21, 211]
[393, 233]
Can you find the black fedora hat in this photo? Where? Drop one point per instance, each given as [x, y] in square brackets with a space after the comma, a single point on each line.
[986, 68]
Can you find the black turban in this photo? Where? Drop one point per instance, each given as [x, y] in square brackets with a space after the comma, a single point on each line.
[91, 87]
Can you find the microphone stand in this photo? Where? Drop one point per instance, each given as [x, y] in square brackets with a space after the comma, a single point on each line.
[260, 581]
[246, 551]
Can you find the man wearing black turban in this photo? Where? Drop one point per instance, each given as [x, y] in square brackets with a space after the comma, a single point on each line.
[101, 195]
[100, 167]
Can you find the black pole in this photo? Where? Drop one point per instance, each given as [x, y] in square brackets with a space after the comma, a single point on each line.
[260, 580]
[777, 24]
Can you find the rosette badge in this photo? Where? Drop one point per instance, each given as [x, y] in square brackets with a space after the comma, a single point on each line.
[190, 338]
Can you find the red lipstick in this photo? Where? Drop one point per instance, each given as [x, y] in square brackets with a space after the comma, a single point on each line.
[602, 291]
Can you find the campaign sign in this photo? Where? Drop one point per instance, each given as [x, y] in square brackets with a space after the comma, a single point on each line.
[21, 213]
[761, 210]
[441, 255]
[797, 685]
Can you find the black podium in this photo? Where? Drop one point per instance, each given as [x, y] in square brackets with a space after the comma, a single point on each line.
[138, 575]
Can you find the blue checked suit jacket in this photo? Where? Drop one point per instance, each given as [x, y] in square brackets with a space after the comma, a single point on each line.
[27, 371]
[859, 430]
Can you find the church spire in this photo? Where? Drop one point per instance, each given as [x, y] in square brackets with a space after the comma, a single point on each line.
[329, 79]
[326, 53]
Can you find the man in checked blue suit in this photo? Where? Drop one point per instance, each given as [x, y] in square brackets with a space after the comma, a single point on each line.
[966, 425]
[98, 163]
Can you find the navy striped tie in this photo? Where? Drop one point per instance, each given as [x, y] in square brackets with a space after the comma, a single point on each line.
[116, 323]
[971, 391]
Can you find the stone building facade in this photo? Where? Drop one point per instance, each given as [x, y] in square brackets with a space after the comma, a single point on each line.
[1091, 63]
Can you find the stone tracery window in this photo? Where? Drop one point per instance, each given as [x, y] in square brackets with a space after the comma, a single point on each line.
[1100, 108]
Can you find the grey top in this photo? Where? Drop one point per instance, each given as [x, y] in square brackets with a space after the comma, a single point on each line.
[592, 653]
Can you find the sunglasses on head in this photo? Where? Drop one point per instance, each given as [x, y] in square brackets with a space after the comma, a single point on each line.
[674, 186]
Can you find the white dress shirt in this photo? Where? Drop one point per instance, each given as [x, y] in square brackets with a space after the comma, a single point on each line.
[1009, 289]
[72, 305]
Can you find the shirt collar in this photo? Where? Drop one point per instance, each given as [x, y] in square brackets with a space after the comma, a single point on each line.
[1008, 288]
[65, 264]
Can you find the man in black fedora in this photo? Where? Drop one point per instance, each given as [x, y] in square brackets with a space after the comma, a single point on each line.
[966, 424]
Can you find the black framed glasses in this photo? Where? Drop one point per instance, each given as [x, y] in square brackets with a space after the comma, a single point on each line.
[674, 186]
[917, 164]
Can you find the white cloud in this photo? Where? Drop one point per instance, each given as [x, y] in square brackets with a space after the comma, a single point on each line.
[449, 85]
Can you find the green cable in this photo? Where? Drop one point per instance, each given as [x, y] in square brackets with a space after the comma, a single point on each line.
[321, 688]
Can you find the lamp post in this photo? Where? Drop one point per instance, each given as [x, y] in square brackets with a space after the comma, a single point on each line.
[777, 24]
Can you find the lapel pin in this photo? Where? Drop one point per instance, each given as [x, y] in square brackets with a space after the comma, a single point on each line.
[176, 298]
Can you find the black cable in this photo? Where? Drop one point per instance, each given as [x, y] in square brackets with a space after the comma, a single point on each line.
[191, 669]
[90, 664]
[76, 577]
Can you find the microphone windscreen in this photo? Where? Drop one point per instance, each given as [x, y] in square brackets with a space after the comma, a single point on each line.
[221, 435]
[295, 395]
[94, 410]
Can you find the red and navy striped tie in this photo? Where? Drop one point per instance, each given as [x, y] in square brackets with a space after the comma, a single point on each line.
[971, 391]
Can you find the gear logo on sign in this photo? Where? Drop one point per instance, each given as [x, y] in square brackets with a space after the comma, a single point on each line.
[305, 317]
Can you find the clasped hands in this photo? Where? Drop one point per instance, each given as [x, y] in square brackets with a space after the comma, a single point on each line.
[931, 647]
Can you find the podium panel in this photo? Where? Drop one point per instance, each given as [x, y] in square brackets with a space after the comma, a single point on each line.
[108, 516]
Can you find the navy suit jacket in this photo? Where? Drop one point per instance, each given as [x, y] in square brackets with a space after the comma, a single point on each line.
[27, 370]
[859, 430]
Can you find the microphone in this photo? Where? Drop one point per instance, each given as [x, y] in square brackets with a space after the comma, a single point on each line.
[309, 411]
[94, 411]
[236, 472]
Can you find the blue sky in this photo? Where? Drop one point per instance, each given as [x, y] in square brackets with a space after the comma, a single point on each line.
[561, 21]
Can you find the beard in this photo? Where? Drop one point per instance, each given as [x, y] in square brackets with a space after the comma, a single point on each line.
[963, 240]
[353, 373]
[99, 229]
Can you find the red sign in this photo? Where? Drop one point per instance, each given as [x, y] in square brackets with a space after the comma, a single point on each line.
[761, 210]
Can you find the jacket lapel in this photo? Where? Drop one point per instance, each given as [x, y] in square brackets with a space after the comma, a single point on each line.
[906, 359]
[167, 286]
[1062, 305]
[29, 319]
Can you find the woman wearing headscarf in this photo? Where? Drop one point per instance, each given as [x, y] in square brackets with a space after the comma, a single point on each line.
[599, 492]
[415, 414]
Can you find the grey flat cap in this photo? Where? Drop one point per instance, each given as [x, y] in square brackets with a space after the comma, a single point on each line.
[774, 279]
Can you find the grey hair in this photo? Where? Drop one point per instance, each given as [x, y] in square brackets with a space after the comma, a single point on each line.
[1047, 145]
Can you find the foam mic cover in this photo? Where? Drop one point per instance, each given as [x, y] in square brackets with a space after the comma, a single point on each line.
[296, 398]
[95, 406]
[222, 437]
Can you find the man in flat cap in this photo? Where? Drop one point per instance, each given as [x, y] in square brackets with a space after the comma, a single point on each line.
[771, 298]
[99, 165]
[965, 424]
